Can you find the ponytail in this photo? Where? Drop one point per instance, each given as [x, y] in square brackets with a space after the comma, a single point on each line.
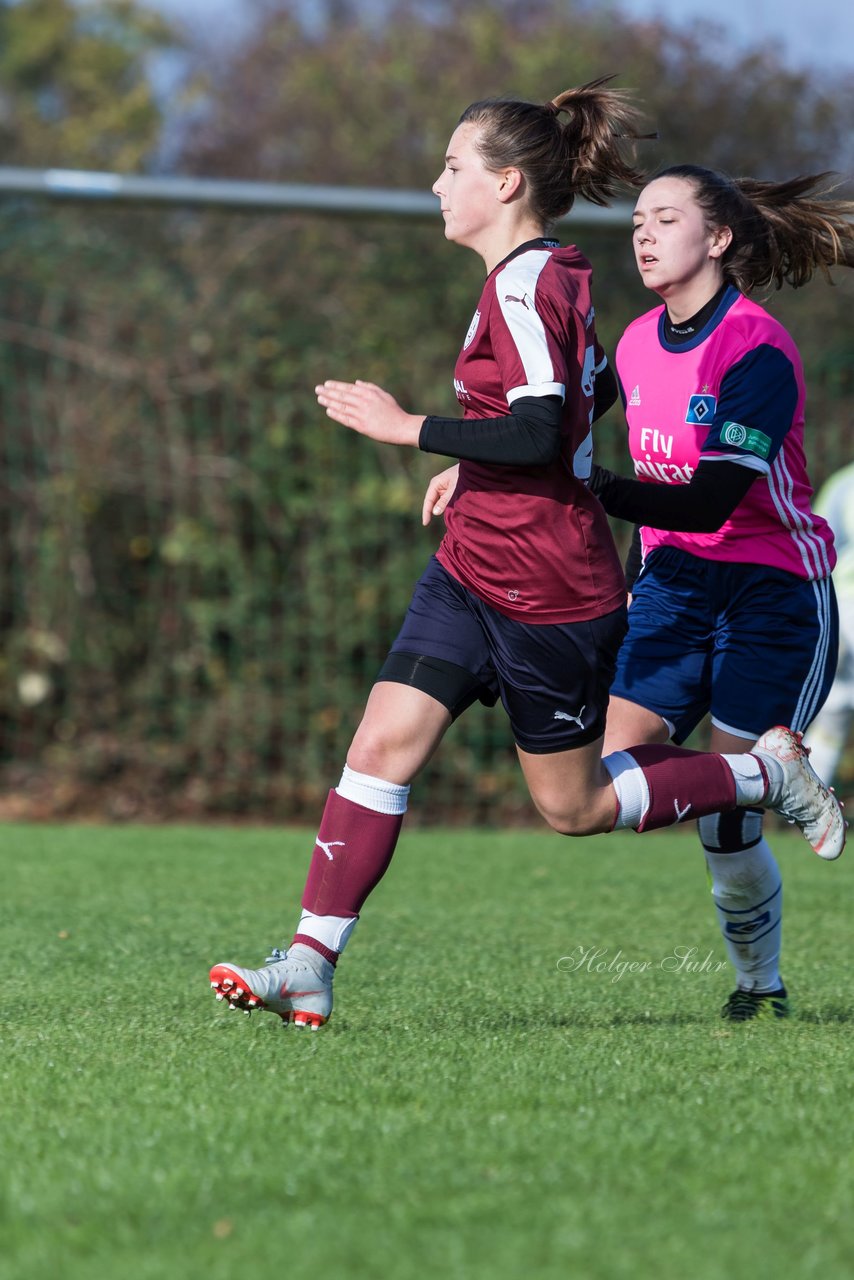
[599, 120]
[804, 234]
[782, 232]
[561, 159]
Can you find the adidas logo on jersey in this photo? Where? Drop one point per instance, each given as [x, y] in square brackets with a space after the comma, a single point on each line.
[635, 396]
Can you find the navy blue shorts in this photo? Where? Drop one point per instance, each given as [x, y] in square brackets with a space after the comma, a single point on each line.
[553, 680]
[755, 646]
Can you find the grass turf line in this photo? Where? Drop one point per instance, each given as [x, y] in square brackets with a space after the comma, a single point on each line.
[494, 1096]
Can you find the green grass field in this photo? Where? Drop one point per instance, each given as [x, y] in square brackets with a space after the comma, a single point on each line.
[480, 1107]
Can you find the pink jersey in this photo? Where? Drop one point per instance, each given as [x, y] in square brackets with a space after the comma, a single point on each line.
[734, 392]
[533, 542]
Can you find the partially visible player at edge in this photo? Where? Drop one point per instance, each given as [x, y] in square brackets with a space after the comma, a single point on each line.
[525, 599]
[829, 732]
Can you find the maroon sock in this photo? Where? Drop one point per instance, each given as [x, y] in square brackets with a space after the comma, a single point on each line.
[683, 785]
[353, 849]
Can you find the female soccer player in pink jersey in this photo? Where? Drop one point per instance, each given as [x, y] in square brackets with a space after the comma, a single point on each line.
[733, 612]
[525, 599]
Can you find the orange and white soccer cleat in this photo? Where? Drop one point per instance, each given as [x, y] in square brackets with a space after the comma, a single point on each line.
[295, 984]
[803, 798]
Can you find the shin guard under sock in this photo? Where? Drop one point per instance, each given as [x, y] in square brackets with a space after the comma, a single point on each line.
[351, 854]
[681, 785]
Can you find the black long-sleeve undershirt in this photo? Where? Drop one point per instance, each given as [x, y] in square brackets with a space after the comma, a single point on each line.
[529, 436]
[700, 506]
[696, 507]
[634, 560]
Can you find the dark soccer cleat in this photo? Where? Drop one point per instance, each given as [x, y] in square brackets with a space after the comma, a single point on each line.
[750, 1006]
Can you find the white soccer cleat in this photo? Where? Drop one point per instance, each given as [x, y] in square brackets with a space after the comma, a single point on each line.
[295, 984]
[803, 798]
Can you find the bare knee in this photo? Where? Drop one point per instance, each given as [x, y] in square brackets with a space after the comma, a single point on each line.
[375, 756]
[375, 748]
[572, 789]
[399, 732]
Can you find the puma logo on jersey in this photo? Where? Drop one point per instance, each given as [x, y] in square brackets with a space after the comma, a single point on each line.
[508, 297]
[564, 715]
[327, 845]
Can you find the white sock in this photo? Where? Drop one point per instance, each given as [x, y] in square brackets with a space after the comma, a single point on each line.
[372, 793]
[748, 894]
[750, 785]
[333, 931]
[631, 788]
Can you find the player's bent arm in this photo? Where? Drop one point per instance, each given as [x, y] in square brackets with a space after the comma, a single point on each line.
[529, 436]
[701, 506]
[450, 431]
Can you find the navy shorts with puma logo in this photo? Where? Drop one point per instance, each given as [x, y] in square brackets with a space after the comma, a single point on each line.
[553, 679]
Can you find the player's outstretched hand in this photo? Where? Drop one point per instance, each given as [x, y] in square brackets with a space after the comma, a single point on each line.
[368, 409]
[440, 490]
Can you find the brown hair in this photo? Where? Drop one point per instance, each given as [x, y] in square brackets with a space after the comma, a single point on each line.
[560, 159]
[781, 233]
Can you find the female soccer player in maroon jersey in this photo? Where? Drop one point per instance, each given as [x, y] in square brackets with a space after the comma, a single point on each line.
[525, 599]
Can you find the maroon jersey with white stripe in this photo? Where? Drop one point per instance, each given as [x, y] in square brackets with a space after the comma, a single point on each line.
[533, 542]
